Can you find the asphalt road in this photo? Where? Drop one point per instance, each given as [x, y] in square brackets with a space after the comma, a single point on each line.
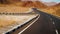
[55, 19]
[44, 25]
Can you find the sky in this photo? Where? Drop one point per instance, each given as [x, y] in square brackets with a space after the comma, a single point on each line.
[58, 1]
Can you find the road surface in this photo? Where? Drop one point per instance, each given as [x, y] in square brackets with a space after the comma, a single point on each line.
[46, 24]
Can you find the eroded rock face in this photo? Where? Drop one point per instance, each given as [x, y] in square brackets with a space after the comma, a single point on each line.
[3, 1]
[21, 3]
[36, 4]
[8, 1]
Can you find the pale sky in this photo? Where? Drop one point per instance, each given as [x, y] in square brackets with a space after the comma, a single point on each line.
[58, 1]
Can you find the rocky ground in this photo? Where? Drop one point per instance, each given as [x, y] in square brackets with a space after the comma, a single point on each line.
[9, 22]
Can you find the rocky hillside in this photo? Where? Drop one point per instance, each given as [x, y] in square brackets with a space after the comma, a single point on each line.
[50, 3]
[55, 10]
[8, 1]
[36, 4]
[16, 5]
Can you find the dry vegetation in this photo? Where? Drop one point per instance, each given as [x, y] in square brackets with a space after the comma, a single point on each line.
[55, 10]
[18, 3]
[8, 20]
[19, 6]
[22, 6]
[14, 9]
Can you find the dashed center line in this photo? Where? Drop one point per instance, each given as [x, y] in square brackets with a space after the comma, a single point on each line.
[56, 31]
[50, 18]
[53, 22]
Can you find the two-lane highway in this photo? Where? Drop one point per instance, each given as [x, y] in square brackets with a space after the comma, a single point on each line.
[44, 25]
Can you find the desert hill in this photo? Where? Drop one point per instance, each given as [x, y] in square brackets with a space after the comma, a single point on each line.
[55, 9]
[50, 3]
[17, 5]
[36, 4]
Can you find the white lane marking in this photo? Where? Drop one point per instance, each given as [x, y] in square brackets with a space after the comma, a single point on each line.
[50, 18]
[53, 22]
[56, 31]
[28, 26]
